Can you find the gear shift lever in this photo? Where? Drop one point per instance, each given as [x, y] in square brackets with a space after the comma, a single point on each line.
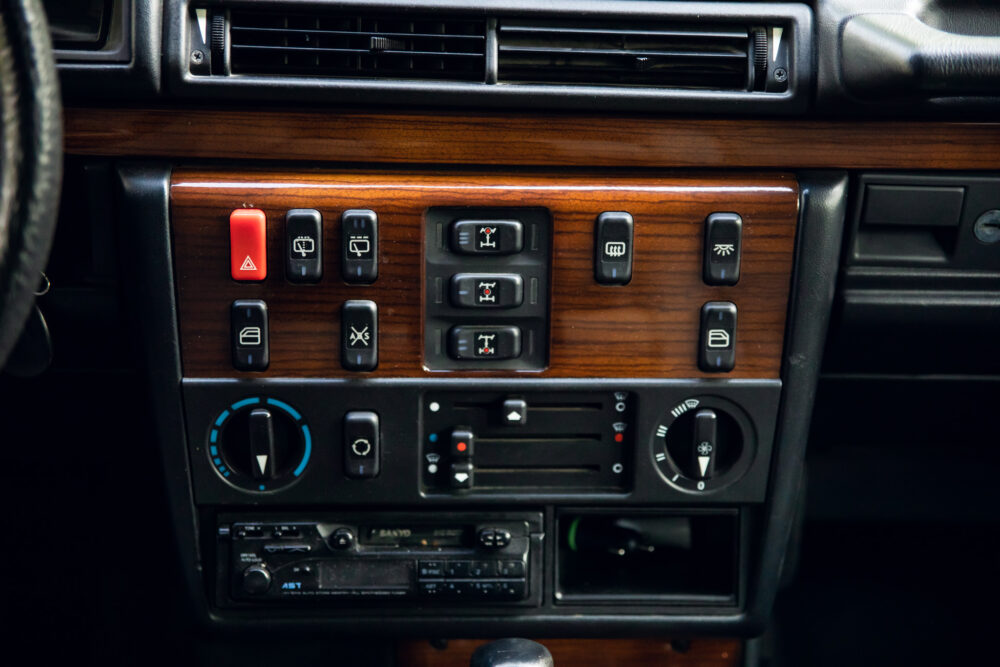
[512, 653]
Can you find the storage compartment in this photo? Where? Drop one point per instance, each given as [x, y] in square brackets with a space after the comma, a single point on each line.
[648, 557]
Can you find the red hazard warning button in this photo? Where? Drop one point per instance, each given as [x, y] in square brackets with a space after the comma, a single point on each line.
[248, 244]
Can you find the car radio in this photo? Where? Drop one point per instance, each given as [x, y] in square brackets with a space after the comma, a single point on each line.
[484, 559]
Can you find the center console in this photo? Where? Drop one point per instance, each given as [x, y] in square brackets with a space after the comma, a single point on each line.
[505, 396]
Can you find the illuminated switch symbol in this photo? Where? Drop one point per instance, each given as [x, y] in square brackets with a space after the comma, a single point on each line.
[486, 237]
[486, 292]
[615, 249]
[485, 347]
[718, 338]
[359, 245]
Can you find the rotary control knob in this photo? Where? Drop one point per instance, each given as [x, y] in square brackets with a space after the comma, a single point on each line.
[260, 444]
[341, 539]
[256, 580]
[703, 444]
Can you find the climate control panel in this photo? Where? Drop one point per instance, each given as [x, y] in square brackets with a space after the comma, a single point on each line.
[275, 443]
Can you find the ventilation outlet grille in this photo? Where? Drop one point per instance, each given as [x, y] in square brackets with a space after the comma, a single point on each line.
[715, 57]
[404, 47]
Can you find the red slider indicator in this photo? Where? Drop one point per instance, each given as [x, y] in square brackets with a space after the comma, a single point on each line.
[248, 244]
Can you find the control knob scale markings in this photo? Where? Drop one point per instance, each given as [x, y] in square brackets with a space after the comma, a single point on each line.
[703, 444]
[259, 444]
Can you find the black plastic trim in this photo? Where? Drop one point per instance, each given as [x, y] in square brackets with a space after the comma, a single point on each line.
[137, 76]
[822, 207]
[143, 198]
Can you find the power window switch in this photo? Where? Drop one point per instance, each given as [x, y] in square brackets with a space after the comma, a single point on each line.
[717, 350]
[248, 320]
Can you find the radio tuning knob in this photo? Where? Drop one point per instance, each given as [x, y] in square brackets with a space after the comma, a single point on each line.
[256, 580]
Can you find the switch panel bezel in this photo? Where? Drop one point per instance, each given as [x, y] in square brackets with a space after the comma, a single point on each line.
[442, 315]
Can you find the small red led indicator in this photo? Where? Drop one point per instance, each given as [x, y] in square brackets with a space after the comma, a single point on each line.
[461, 446]
[619, 437]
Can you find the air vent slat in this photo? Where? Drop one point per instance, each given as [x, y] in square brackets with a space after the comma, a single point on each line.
[555, 30]
[621, 52]
[714, 57]
[355, 46]
[388, 52]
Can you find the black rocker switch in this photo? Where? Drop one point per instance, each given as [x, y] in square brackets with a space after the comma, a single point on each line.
[487, 290]
[487, 237]
[484, 343]
[723, 246]
[303, 245]
[717, 351]
[362, 449]
[463, 442]
[359, 246]
[359, 335]
[613, 241]
[248, 318]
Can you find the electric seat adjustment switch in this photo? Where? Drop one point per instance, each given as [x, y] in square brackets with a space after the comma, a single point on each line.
[613, 248]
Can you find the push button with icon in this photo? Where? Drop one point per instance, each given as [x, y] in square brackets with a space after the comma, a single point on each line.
[248, 318]
[717, 352]
[304, 245]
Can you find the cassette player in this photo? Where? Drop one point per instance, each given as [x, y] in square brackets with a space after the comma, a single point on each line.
[477, 559]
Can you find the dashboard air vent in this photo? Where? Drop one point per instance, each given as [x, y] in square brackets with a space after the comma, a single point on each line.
[351, 46]
[705, 56]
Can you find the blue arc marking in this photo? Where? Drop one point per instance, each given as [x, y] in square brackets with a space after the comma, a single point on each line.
[256, 400]
[245, 402]
[286, 407]
[305, 457]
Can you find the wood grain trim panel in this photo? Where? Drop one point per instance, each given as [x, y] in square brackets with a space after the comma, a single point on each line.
[648, 328]
[588, 653]
[532, 139]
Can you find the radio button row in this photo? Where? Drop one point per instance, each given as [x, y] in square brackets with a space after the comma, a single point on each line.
[515, 589]
[431, 568]
[465, 569]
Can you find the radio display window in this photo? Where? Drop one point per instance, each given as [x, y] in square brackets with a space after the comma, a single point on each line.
[415, 536]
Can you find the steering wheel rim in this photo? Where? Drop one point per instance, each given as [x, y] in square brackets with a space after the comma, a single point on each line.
[30, 160]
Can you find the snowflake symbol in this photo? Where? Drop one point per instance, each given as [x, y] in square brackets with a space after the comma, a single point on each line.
[704, 449]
